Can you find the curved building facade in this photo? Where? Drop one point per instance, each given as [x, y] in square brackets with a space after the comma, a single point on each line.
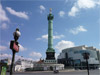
[73, 57]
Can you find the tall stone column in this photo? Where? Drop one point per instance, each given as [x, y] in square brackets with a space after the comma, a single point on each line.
[50, 53]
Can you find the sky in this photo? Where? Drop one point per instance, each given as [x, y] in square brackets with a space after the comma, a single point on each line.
[76, 23]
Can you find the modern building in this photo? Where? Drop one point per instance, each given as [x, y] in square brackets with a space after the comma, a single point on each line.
[73, 57]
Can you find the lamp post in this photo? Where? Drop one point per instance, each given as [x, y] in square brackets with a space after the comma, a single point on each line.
[86, 56]
[14, 47]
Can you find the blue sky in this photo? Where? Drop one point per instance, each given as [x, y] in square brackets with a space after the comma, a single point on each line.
[76, 22]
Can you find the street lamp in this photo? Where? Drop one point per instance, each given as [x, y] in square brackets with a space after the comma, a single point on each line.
[16, 34]
[86, 56]
[14, 46]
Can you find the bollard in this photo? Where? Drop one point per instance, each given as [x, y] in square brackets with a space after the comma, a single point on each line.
[3, 70]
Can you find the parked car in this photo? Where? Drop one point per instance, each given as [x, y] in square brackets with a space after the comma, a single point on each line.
[29, 69]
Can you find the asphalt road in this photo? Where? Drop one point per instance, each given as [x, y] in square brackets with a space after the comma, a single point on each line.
[77, 72]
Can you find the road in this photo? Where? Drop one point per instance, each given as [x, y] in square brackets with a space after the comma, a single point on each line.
[77, 72]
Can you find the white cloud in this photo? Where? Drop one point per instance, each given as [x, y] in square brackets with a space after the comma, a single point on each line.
[45, 37]
[3, 16]
[77, 30]
[61, 13]
[73, 11]
[2, 48]
[3, 26]
[3, 19]
[35, 55]
[21, 57]
[86, 4]
[4, 56]
[21, 48]
[18, 14]
[82, 4]
[64, 44]
[42, 8]
[58, 36]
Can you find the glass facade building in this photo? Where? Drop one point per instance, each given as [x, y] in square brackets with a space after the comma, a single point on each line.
[73, 57]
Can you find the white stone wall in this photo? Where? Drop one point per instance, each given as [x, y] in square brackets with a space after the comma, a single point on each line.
[22, 64]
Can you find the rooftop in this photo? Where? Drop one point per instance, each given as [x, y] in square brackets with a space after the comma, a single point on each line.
[83, 47]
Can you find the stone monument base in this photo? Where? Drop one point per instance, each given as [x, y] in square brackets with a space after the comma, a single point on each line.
[48, 66]
[50, 61]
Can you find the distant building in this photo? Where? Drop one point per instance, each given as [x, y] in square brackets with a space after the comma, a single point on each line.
[22, 64]
[72, 57]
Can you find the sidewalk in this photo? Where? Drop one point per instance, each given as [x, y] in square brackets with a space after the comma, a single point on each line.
[65, 70]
